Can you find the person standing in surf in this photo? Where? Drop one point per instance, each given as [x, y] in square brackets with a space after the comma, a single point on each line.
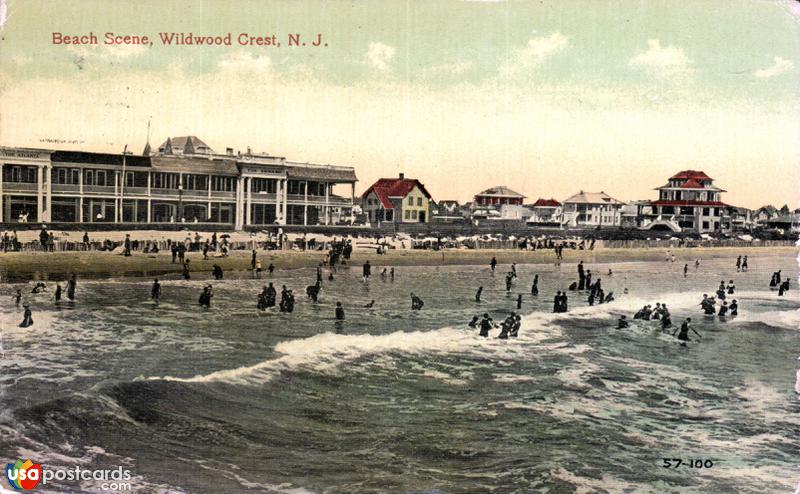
[27, 318]
[155, 291]
[17, 297]
[493, 264]
[478, 294]
[486, 325]
[683, 336]
[339, 313]
[535, 286]
[71, 284]
[58, 293]
[366, 270]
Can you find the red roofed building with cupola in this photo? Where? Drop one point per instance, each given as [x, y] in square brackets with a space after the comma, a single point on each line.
[690, 202]
[397, 200]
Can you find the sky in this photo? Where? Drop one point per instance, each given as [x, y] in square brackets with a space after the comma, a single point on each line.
[547, 98]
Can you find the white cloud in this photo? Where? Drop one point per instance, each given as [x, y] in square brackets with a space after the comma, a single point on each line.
[661, 60]
[108, 52]
[379, 55]
[780, 66]
[243, 61]
[452, 68]
[21, 59]
[534, 53]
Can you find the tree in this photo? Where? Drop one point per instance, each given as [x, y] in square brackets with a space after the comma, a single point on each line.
[784, 210]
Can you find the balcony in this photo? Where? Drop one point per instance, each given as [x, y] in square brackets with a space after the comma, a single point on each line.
[299, 199]
[262, 197]
[221, 195]
[105, 190]
[23, 187]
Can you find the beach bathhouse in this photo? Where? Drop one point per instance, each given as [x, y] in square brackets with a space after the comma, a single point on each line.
[185, 181]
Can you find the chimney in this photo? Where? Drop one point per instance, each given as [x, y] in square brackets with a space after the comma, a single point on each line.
[229, 151]
[249, 151]
[402, 176]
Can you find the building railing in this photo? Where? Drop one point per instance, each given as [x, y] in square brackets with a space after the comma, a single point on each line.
[19, 187]
[96, 189]
[300, 199]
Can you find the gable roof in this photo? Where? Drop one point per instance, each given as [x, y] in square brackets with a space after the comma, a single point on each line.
[184, 145]
[592, 198]
[692, 184]
[385, 188]
[499, 191]
[546, 203]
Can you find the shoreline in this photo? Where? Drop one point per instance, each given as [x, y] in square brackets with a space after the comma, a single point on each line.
[21, 266]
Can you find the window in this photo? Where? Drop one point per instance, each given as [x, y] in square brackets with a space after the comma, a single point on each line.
[76, 176]
[419, 201]
[195, 182]
[407, 214]
[129, 179]
[410, 201]
[413, 214]
[225, 184]
[165, 181]
[88, 177]
[100, 177]
[705, 213]
[705, 225]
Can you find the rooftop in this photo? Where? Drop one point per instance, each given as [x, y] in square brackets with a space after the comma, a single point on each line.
[499, 191]
[592, 198]
[689, 175]
[546, 203]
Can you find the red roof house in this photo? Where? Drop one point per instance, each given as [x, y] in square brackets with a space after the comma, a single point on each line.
[388, 200]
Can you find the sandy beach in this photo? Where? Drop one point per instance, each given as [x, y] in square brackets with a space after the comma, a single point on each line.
[108, 264]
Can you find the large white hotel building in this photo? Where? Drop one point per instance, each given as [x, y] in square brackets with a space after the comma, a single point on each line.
[184, 181]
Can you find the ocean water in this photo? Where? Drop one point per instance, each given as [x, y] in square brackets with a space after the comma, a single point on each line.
[234, 400]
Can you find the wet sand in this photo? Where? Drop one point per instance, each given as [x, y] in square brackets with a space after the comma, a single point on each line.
[21, 265]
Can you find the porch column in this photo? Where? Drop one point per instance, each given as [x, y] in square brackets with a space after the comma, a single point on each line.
[49, 190]
[80, 196]
[239, 203]
[305, 204]
[208, 211]
[352, 202]
[278, 208]
[249, 211]
[39, 196]
[149, 196]
[116, 197]
[327, 203]
[286, 201]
